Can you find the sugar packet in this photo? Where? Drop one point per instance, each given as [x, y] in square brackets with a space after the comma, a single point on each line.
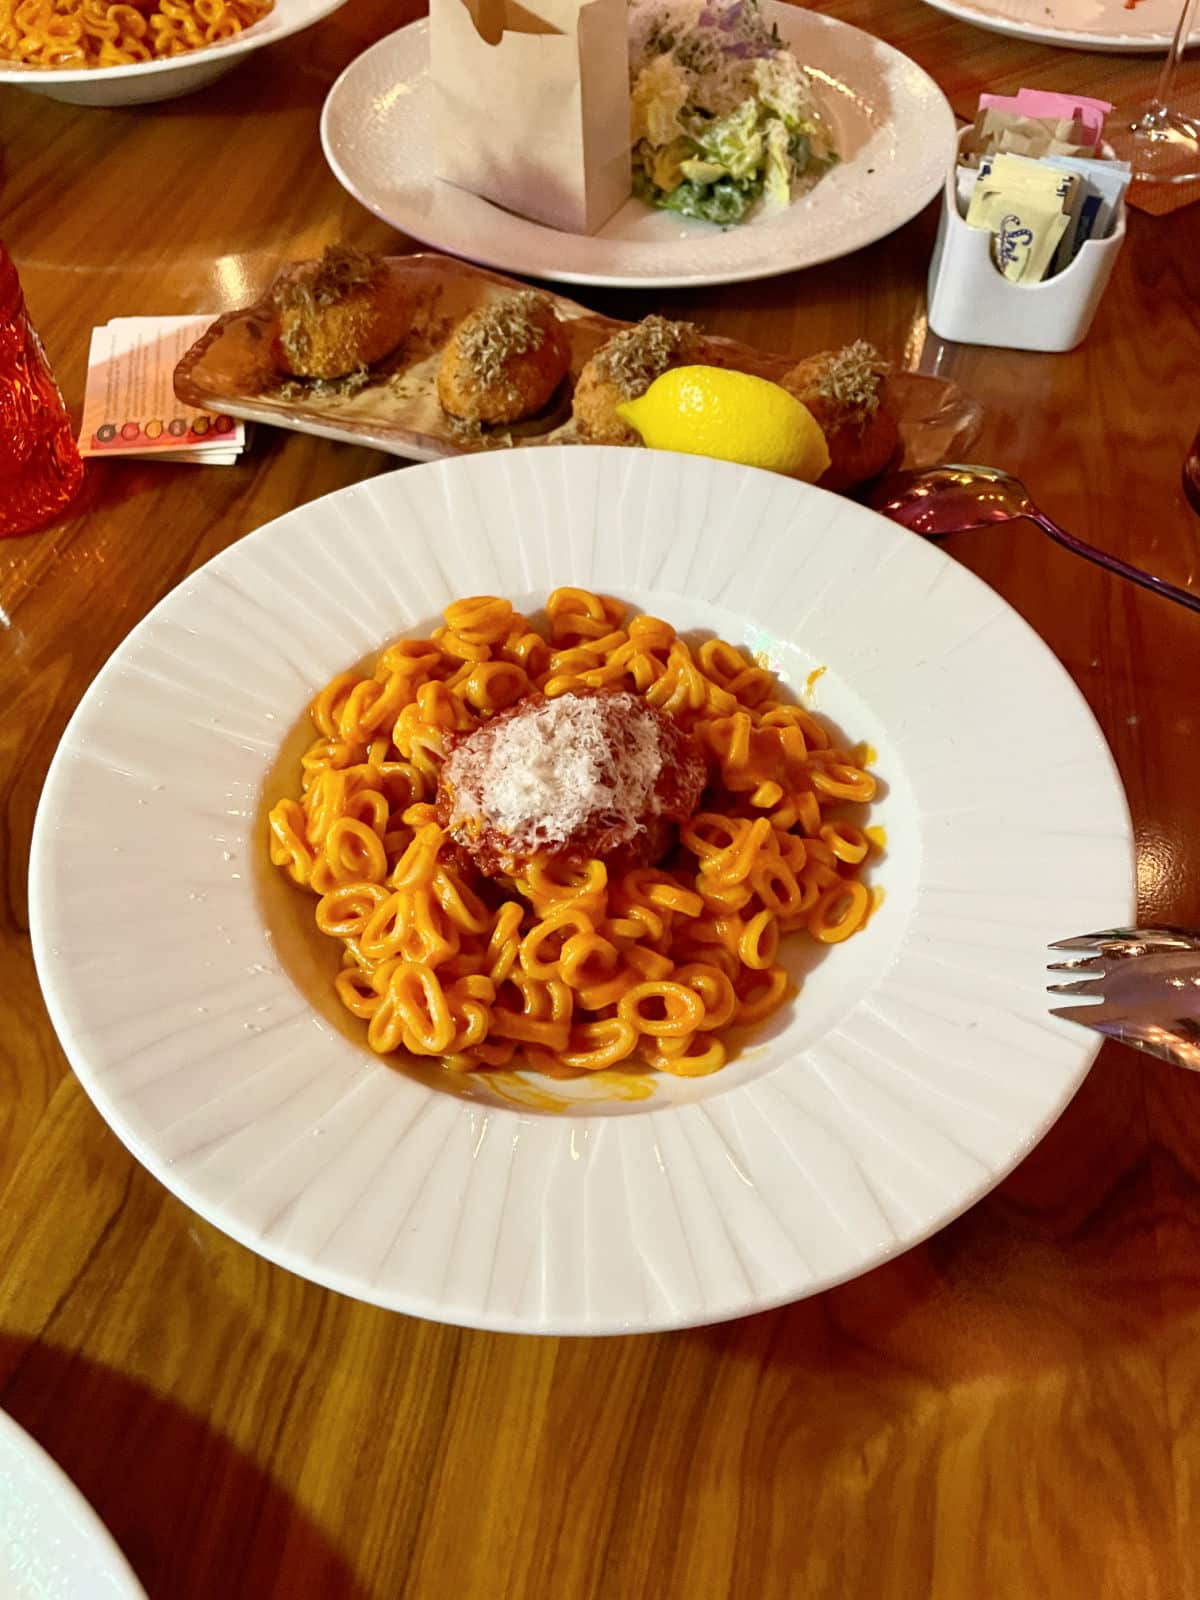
[1027, 207]
[1090, 114]
[996, 130]
[1104, 183]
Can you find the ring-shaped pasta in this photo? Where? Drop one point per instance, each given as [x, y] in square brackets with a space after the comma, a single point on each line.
[703, 1056]
[549, 883]
[462, 905]
[848, 843]
[757, 1000]
[354, 990]
[682, 1007]
[480, 618]
[759, 942]
[289, 848]
[422, 1005]
[493, 685]
[504, 943]
[587, 960]
[344, 912]
[649, 965]
[541, 948]
[593, 1046]
[840, 911]
[716, 992]
[841, 781]
[354, 852]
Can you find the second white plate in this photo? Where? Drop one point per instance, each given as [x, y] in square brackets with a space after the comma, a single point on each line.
[895, 132]
[53, 1546]
[1113, 26]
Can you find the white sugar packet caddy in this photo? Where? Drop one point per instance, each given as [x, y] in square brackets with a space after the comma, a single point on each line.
[971, 302]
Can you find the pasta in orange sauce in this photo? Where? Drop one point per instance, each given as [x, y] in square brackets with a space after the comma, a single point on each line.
[99, 33]
[569, 968]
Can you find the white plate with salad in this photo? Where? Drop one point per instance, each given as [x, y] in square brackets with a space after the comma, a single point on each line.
[768, 138]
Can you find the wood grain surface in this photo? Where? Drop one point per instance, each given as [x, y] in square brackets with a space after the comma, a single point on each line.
[1012, 1410]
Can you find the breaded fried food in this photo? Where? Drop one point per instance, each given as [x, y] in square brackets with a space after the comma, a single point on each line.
[623, 369]
[846, 391]
[504, 360]
[339, 314]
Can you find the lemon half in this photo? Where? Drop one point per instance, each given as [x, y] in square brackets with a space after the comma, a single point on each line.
[710, 411]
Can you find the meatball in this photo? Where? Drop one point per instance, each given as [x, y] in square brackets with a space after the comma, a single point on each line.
[504, 360]
[846, 391]
[339, 314]
[623, 369]
[594, 773]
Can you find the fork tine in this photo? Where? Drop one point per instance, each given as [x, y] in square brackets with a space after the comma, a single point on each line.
[1083, 964]
[1079, 941]
[1081, 986]
[1101, 1017]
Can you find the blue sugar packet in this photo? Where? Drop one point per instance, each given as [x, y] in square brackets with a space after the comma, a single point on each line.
[1104, 182]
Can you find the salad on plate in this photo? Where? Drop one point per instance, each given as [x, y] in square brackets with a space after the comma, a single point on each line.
[724, 116]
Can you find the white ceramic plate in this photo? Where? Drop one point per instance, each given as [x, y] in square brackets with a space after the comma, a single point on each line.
[144, 81]
[895, 132]
[194, 997]
[1107, 25]
[52, 1544]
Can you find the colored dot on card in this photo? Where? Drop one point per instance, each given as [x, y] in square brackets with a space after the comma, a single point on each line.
[177, 427]
[130, 430]
[200, 426]
[105, 432]
[223, 424]
[153, 429]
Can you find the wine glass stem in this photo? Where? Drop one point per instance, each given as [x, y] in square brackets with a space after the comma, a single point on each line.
[1166, 78]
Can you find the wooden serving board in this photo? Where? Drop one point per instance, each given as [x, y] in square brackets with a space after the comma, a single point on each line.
[230, 369]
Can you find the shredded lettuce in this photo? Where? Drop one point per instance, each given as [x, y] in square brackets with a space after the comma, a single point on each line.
[723, 114]
[726, 201]
[777, 173]
[657, 96]
[735, 141]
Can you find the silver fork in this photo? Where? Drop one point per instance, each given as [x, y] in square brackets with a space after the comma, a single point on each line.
[1143, 986]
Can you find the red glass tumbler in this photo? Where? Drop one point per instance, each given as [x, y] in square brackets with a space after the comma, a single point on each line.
[40, 467]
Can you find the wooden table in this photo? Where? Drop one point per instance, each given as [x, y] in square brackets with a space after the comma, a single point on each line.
[1012, 1410]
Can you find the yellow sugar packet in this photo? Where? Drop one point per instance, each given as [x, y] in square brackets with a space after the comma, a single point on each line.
[1027, 208]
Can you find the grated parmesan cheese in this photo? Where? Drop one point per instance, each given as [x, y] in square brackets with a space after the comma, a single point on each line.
[541, 777]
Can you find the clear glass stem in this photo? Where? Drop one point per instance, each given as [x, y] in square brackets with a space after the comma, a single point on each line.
[1161, 141]
[1183, 32]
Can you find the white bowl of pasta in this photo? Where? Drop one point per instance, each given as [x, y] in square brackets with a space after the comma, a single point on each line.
[96, 53]
[544, 1097]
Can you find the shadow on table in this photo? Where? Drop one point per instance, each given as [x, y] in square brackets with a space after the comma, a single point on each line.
[194, 1516]
[1057, 1267]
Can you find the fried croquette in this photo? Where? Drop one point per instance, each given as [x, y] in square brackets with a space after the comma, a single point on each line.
[846, 391]
[504, 360]
[623, 369]
[338, 315]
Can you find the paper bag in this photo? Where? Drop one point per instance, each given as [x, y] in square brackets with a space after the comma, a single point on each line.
[531, 105]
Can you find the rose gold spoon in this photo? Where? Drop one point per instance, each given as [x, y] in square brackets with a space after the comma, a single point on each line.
[954, 499]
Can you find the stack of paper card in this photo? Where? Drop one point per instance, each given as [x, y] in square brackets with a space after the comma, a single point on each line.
[1034, 172]
[129, 407]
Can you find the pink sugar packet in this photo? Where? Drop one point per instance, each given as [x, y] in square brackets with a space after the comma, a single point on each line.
[1043, 103]
[1048, 105]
